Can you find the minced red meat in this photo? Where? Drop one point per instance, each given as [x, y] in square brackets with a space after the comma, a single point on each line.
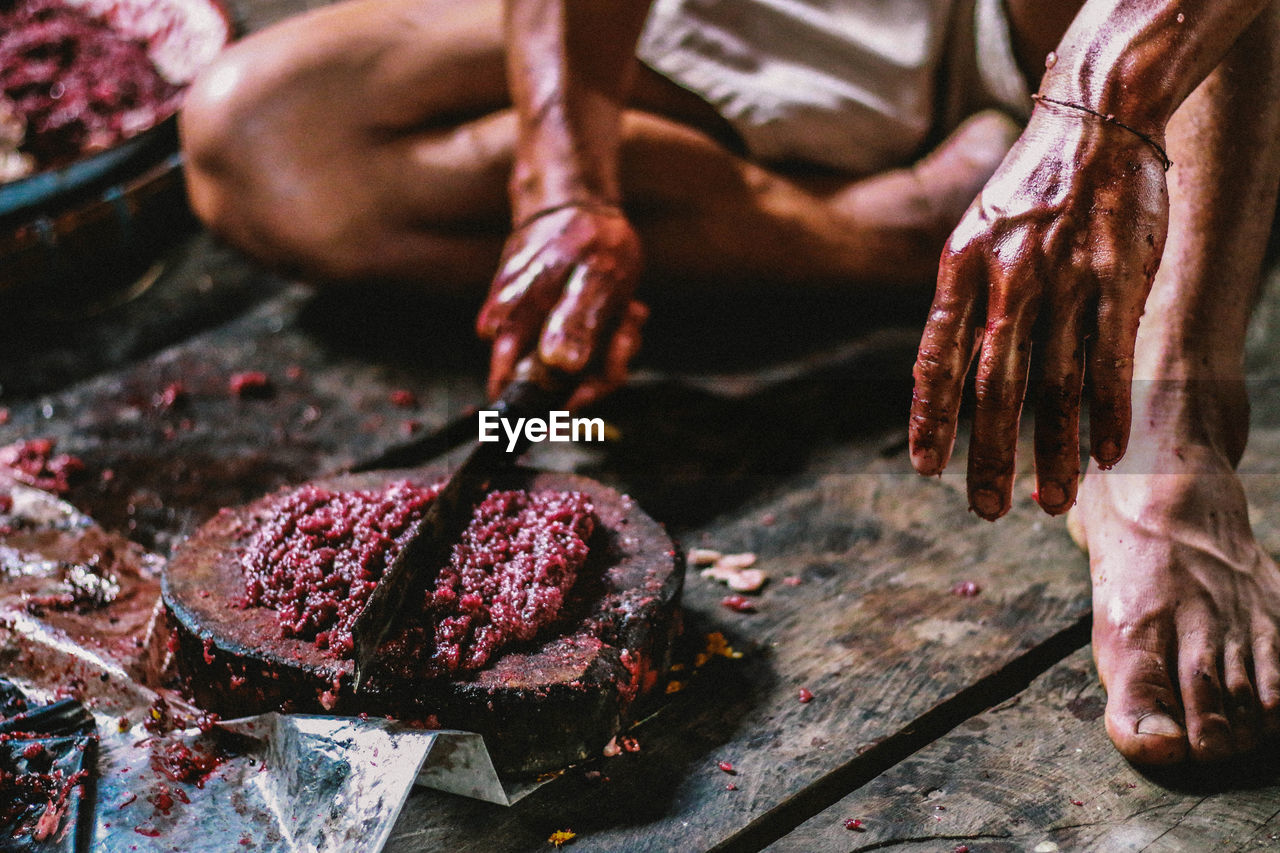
[508, 576]
[319, 555]
[34, 463]
[79, 85]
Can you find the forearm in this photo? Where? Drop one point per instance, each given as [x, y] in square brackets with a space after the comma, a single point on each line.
[1139, 59]
[570, 64]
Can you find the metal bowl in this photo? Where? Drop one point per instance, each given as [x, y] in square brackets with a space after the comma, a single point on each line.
[76, 238]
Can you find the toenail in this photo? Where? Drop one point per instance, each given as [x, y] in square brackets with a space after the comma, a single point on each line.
[987, 503]
[1159, 724]
[1214, 745]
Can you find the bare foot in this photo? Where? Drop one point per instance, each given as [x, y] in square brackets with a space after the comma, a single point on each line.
[1186, 605]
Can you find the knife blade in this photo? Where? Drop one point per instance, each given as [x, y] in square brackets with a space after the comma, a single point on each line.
[535, 391]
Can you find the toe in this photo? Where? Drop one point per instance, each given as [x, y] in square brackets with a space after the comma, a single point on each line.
[1241, 699]
[1208, 729]
[1143, 708]
[1266, 666]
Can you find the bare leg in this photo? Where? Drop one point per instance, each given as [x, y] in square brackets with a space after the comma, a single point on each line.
[373, 139]
[1186, 603]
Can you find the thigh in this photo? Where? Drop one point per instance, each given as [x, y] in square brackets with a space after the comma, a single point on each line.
[286, 135]
[370, 65]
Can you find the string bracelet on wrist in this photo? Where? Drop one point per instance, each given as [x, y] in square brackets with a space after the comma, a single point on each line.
[596, 206]
[1108, 118]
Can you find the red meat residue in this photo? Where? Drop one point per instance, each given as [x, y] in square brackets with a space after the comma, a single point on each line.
[182, 763]
[251, 384]
[33, 462]
[36, 801]
[404, 398]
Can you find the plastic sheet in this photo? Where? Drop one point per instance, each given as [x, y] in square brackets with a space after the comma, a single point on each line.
[268, 783]
[280, 783]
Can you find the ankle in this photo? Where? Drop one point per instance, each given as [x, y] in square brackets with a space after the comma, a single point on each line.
[1172, 413]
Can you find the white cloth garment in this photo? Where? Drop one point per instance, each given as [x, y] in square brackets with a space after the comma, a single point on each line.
[855, 85]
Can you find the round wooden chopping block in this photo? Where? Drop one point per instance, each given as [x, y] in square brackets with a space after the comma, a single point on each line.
[539, 706]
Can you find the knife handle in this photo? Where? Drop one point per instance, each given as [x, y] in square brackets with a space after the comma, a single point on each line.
[535, 388]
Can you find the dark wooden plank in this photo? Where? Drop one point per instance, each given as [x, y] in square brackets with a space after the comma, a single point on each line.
[1038, 773]
[52, 341]
[1007, 778]
[156, 470]
[873, 631]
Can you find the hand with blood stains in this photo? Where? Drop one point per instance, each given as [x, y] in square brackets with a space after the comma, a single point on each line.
[1047, 272]
[565, 286]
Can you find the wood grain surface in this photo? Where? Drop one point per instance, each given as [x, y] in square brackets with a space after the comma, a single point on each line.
[1038, 773]
[771, 428]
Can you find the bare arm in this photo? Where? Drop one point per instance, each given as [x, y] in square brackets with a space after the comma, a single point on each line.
[571, 264]
[570, 64]
[1055, 258]
[1140, 59]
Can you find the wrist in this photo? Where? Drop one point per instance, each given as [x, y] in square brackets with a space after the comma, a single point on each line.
[1128, 59]
[545, 179]
[1083, 112]
[527, 218]
[1107, 95]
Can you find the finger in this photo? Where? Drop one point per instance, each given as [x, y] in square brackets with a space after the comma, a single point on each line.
[590, 392]
[508, 348]
[578, 322]
[942, 362]
[622, 349]
[519, 278]
[999, 389]
[625, 343]
[1057, 442]
[1111, 365]
[515, 337]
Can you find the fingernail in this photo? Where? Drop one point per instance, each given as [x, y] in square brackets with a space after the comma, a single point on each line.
[1159, 724]
[1108, 452]
[566, 353]
[927, 461]
[1051, 495]
[987, 503]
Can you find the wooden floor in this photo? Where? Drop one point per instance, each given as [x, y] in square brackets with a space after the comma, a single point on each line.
[937, 720]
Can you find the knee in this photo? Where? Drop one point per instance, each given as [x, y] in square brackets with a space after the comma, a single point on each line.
[217, 157]
[247, 179]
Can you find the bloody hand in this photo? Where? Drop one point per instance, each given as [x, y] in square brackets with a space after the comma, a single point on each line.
[565, 285]
[1050, 267]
